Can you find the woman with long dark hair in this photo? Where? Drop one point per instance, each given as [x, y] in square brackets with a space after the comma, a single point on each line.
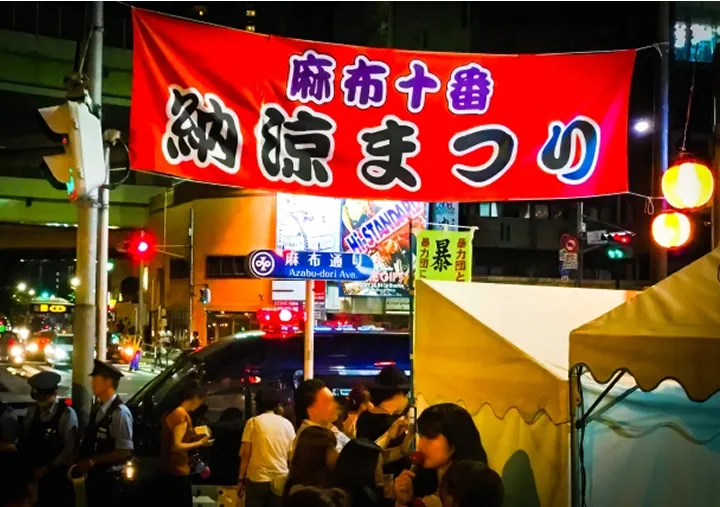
[177, 440]
[447, 433]
[313, 460]
[358, 472]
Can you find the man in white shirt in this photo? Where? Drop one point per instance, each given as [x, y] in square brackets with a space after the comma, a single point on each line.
[315, 405]
[264, 452]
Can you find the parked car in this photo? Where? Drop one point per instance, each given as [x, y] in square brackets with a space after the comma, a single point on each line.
[11, 348]
[232, 369]
[58, 353]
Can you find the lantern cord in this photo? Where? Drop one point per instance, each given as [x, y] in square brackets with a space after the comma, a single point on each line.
[689, 104]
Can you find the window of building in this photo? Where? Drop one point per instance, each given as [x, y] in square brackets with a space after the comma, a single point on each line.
[542, 211]
[179, 269]
[488, 210]
[516, 210]
[695, 41]
[561, 211]
[250, 13]
[250, 28]
[226, 267]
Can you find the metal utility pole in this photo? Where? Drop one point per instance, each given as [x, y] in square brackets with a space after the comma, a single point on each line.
[87, 220]
[580, 235]
[191, 268]
[716, 152]
[658, 255]
[140, 328]
[102, 261]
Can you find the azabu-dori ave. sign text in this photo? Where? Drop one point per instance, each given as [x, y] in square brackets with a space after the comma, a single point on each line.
[292, 265]
[303, 117]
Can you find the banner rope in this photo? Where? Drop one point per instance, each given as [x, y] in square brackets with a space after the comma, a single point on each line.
[655, 45]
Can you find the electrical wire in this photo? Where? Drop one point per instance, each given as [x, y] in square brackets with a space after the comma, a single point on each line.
[689, 104]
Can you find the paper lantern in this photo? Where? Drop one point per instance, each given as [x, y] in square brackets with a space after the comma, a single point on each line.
[671, 229]
[688, 184]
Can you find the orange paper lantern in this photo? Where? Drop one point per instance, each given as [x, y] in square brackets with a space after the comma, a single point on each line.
[671, 229]
[688, 185]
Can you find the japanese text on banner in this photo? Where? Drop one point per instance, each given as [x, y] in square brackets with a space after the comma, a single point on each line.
[372, 123]
[444, 255]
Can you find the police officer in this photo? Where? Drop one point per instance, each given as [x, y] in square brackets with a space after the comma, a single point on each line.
[49, 439]
[107, 442]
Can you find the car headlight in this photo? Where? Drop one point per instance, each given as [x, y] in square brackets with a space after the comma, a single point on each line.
[129, 351]
[61, 354]
[49, 350]
[16, 351]
[33, 347]
[23, 332]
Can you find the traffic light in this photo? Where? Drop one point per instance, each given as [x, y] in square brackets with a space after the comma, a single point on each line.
[619, 245]
[205, 296]
[81, 167]
[141, 246]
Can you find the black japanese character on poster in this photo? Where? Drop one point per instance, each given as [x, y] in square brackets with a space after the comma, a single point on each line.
[295, 149]
[441, 259]
[559, 153]
[201, 129]
[386, 149]
[505, 145]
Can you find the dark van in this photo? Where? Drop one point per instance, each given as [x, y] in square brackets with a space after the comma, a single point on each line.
[233, 368]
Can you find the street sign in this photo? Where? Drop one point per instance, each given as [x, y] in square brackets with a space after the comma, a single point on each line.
[570, 261]
[568, 243]
[293, 265]
[596, 237]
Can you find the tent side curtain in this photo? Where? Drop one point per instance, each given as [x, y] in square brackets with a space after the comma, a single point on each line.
[455, 354]
[671, 331]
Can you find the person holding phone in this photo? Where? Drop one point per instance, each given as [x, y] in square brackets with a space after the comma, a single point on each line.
[179, 438]
[387, 423]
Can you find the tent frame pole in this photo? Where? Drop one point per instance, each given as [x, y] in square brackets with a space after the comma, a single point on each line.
[576, 412]
[579, 418]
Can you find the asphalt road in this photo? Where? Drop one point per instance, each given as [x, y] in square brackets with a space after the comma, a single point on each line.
[14, 387]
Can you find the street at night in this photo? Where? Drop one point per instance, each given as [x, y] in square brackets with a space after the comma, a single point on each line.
[359, 254]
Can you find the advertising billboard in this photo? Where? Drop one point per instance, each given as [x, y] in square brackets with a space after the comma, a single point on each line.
[304, 223]
[380, 229]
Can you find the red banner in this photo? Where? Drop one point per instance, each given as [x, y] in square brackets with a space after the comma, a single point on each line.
[229, 107]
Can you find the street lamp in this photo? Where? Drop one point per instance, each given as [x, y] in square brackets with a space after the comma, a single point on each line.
[31, 292]
[21, 287]
[642, 126]
[74, 281]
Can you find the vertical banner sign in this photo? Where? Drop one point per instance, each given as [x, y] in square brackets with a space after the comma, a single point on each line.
[380, 229]
[334, 120]
[444, 255]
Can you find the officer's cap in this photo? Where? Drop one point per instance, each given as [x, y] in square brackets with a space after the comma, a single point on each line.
[45, 382]
[106, 370]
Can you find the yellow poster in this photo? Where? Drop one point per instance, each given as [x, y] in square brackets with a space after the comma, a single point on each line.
[444, 255]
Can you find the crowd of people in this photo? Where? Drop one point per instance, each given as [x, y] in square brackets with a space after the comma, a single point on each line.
[358, 456]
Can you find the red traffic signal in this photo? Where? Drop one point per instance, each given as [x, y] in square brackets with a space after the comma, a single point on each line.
[141, 246]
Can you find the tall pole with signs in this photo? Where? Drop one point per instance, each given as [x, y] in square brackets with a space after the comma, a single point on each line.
[309, 356]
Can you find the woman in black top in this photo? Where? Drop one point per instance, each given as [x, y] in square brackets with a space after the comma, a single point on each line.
[386, 424]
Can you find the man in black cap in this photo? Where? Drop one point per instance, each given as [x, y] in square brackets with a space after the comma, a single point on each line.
[49, 439]
[107, 443]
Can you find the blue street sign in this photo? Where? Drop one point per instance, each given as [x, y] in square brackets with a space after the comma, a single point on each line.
[292, 265]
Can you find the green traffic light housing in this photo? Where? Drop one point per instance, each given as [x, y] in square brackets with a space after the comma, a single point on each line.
[619, 245]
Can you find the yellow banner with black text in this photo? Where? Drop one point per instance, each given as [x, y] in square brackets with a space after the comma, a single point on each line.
[444, 255]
